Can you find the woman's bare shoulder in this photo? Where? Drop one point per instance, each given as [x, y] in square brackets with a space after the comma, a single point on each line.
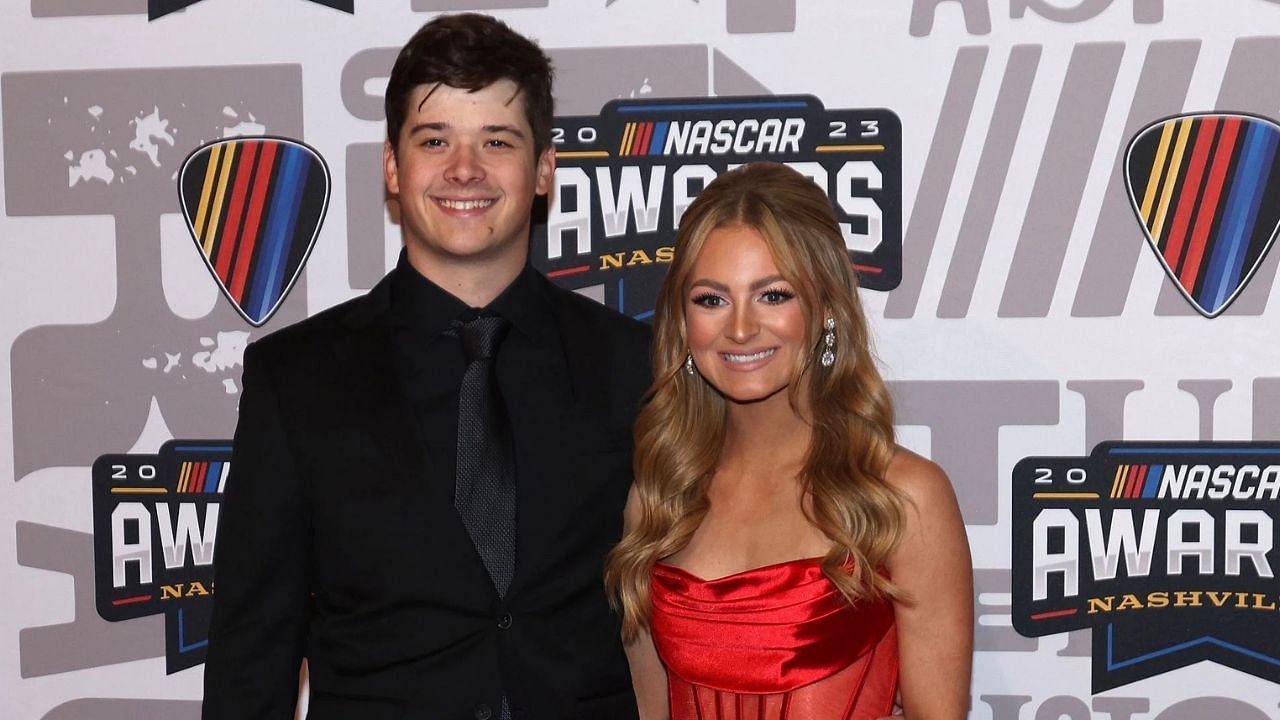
[919, 479]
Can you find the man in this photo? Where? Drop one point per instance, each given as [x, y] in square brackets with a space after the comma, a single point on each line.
[426, 479]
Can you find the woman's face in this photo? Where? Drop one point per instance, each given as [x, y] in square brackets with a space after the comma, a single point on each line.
[744, 322]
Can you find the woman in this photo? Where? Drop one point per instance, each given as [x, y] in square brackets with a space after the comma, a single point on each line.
[782, 556]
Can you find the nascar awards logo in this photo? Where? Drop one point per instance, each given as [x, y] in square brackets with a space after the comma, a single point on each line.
[624, 178]
[155, 520]
[1163, 549]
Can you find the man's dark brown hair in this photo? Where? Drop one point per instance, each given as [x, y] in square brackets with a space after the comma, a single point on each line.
[471, 52]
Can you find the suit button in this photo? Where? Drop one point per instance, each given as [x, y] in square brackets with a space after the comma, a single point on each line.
[504, 622]
[483, 712]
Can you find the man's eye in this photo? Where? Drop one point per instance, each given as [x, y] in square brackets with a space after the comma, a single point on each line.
[433, 142]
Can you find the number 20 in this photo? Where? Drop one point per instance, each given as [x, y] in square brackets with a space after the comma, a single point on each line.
[586, 135]
[121, 472]
[1075, 475]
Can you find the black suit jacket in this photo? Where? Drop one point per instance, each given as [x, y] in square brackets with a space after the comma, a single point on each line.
[337, 543]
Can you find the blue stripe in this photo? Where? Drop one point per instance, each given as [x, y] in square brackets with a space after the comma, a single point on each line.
[278, 268]
[1194, 451]
[696, 107]
[1267, 157]
[212, 477]
[1112, 665]
[1153, 481]
[644, 315]
[274, 237]
[1232, 233]
[183, 647]
[659, 137]
[621, 296]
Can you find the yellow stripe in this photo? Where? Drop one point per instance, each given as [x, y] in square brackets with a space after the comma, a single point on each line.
[1115, 484]
[182, 477]
[849, 148]
[143, 490]
[583, 154]
[217, 200]
[626, 138]
[1157, 165]
[1184, 130]
[210, 172]
[1066, 495]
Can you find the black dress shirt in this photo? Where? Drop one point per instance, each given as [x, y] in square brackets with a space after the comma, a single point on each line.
[430, 360]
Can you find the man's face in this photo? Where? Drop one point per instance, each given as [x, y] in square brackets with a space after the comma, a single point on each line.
[466, 174]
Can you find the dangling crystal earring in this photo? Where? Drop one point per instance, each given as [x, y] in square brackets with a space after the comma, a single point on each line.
[828, 343]
[688, 364]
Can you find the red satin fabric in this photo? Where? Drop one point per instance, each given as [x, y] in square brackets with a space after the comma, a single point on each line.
[774, 643]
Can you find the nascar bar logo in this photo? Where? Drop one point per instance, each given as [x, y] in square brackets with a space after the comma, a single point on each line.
[254, 207]
[1164, 549]
[1206, 188]
[155, 520]
[624, 178]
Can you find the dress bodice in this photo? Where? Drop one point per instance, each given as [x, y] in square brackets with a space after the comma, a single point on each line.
[773, 643]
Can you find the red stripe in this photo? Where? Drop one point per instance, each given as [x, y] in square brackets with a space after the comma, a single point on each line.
[867, 269]
[569, 271]
[1135, 490]
[201, 469]
[644, 139]
[637, 142]
[228, 239]
[1054, 614]
[131, 600]
[261, 181]
[1190, 193]
[1223, 150]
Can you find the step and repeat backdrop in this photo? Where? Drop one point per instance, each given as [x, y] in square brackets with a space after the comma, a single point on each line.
[1061, 213]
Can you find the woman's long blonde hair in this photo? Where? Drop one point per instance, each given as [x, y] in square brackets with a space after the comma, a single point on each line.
[680, 430]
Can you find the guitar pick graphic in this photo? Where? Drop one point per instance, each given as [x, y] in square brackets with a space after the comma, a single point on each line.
[1206, 188]
[254, 206]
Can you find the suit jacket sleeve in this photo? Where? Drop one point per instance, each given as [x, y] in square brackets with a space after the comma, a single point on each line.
[258, 631]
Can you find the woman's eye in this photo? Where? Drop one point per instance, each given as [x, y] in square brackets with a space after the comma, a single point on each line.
[708, 300]
[777, 297]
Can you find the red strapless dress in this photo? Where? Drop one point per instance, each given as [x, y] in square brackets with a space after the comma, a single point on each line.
[773, 643]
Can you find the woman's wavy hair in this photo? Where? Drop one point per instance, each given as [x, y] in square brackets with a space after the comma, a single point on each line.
[680, 430]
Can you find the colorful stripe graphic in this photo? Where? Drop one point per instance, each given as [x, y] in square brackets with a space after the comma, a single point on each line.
[209, 477]
[1136, 481]
[1206, 188]
[643, 138]
[254, 207]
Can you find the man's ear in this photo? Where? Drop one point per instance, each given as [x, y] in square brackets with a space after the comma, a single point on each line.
[390, 170]
[546, 169]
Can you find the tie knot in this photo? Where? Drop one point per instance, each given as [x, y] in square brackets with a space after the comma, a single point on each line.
[481, 336]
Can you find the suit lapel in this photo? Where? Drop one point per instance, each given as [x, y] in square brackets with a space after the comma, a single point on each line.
[373, 395]
[377, 403]
[562, 408]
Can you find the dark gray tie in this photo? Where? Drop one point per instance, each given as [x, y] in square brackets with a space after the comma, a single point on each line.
[485, 491]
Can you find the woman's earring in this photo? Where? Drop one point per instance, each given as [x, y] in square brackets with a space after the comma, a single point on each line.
[688, 364]
[828, 343]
